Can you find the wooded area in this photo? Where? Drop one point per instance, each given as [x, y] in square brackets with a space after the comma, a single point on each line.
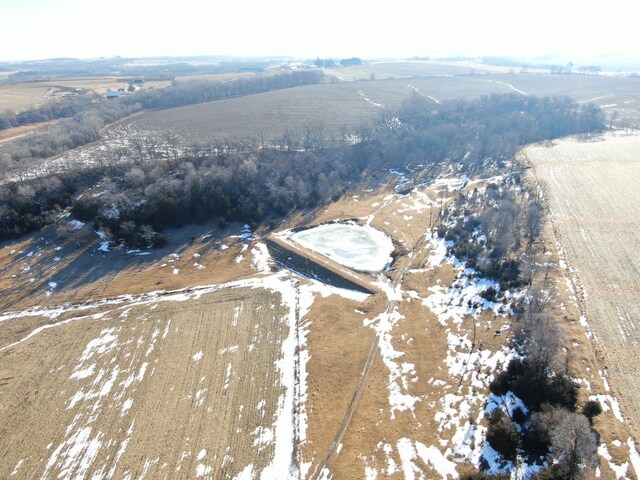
[268, 182]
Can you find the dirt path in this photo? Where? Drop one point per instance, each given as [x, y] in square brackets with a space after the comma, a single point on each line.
[353, 404]
[595, 205]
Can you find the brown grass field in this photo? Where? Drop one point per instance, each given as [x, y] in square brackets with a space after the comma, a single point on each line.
[22, 96]
[593, 196]
[10, 134]
[129, 397]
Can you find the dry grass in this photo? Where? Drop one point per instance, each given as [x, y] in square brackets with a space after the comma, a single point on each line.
[14, 133]
[169, 422]
[593, 195]
[22, 96]
[338, 344]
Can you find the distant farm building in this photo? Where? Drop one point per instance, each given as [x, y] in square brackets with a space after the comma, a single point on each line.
[111, 94]
[137, 81]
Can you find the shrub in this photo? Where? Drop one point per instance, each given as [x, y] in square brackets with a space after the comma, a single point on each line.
[534, 389]
[591, 409]
[502, 435]
[551, 473]
[484, 476]
[490, 294]
[519, 416]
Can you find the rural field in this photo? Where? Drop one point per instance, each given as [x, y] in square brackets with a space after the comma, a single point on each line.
[336, 106]
[346, 105]
[204, 382]
[210, 358]
[335, 109]
[21, 96]
[198, 391]
[593, 196]
[405, 69]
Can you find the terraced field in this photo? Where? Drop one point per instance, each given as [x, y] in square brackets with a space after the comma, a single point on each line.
[617, 96]
[346, 105]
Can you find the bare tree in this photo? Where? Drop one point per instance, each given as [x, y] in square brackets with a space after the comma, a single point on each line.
[314, 135]
[173, 144]
[532, 223]
[541, 339]
[289, 140]
[139, 147]
[263, 137]
[148, 234]
[134, 177]
[573, 446]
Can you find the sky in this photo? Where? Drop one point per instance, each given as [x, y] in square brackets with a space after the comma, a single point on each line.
[38, 29]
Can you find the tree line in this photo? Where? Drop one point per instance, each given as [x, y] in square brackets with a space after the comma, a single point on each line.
[268, 182]
[66, 107]
[493, 231]
[88, 117]
[200, 91]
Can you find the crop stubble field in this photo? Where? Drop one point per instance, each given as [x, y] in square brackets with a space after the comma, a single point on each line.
[595, 206]
[188, 390]
[335, 105]
[349, 104]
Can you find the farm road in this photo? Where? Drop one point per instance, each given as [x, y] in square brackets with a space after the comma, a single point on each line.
[595, 205]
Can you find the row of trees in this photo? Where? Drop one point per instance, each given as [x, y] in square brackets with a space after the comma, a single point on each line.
[551, 427]
[65, 107]
[267, 183]
[568, 69]
[200, 91]
[88, 118]
[330, 63]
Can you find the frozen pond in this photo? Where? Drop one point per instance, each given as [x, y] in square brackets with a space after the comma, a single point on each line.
[359, 247]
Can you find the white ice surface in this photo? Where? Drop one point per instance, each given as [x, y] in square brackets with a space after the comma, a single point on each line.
[359, 247]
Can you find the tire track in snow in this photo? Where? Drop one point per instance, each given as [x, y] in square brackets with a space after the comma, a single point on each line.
[521, 92]
[417, 90]
[368, 100]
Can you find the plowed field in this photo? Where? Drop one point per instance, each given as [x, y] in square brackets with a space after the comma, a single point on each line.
[595, 204]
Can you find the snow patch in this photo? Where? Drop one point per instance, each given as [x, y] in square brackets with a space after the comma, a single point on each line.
[261, 258]
[197, 356]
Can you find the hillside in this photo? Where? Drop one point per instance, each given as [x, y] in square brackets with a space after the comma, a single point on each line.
[166, 295]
